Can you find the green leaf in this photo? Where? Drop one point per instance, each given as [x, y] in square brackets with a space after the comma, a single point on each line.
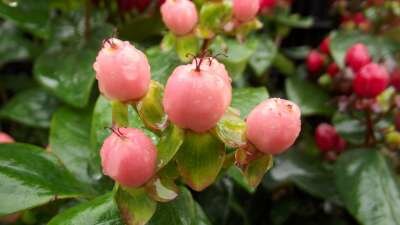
[311, 99]
[306, 172]
[238, 54]
[350, 128]
[213, 15]
[245, 99]
[162, 63]
[13, 46]
[135, 206]
[255, 171]
[368, 188]
[378, 47]
[150, 108]
[100, 211]
[182, 211]
[200, 159]
[162, 189]
[30, 176]
[237, 175]
[119, 111]
[67, 71]
[294, 20]
[69, 135]
[284, 64]
[32, 16]
[32, 107]
[231, 129]
[141, 28]
[169, 144]
[186, 46]
[264, 55]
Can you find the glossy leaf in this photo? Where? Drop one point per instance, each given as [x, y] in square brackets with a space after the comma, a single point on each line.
[162, 63]
[186, 46]
[264, 55]
[69, 135]
[284, 64]
[237, 175]
[308, 173]
[100, 211]
[13, 46]
[350, 128]
[169, 144]
[162, 189]
[231, 129]
[135, 206]
[30, 176]
[32, 107]
[213, 15]
[30, 15]
[255, 170]
[200, 159]
[368, 188]
[311, 99]
[150, 108]
[245, 99]
[182, 211]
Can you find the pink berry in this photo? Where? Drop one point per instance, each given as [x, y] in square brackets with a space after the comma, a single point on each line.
[324, 47]
[357, 56]
[370, 81]
[245, 10]
[274, 125]
[327, 138]
[180, 16]
[5, 138]
[122, 71]
[266, 5]
[395, 79]
[129, 157]
[333, 69]
[196, 97]
[315, 61]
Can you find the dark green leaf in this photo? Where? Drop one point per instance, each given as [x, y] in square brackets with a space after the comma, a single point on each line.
[30, 176]
[12, 44]
[368, 188]
[245, 99]
[264, 55]
[100, 211]
[306, 172]
[169, 144]
[162, 63]
[350, 128]
[294, 20]
[32, 107]
[284, 65]
[310, 98]
[141, 28]
[255, 170]
[200, 159]
[69, 140]
[237, 175]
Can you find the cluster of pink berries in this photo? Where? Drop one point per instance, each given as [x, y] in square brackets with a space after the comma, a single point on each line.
[195, 97]
[329, 141]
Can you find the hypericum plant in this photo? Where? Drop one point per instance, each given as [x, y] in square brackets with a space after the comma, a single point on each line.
[198, 134]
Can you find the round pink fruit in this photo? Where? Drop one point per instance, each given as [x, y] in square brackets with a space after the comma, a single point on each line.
[357, 56]
[327, 138]
[196, 97]
[274, 125]
[245, 10]
[180, 16]
[371, 80]
[5, 138]
[122, 71]
[315, 61]
[129, 157]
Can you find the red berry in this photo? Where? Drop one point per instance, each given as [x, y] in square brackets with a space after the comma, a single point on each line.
[327, 139]
[245, 10]
[274, 125]
[324, 47]
[333, 69]
[395, 79]
[359, 18]
[197, 96]
[357, 56]
[315, 61]
[129, 157]
[180, 16]
[129, 5]
[5, 138]
[122, 71]
[370, 81]
[397, 121]
[266, 5]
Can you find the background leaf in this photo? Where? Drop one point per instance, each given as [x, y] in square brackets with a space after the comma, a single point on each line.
[245, 99]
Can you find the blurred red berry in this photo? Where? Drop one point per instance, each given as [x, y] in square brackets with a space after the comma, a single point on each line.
[324, 47]
[266, 5]
[371, 80]
[357, 56]
[395, 79]
[397, 121]
[359, 18]
[315, 61]
[328, 139]
[333, 69]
